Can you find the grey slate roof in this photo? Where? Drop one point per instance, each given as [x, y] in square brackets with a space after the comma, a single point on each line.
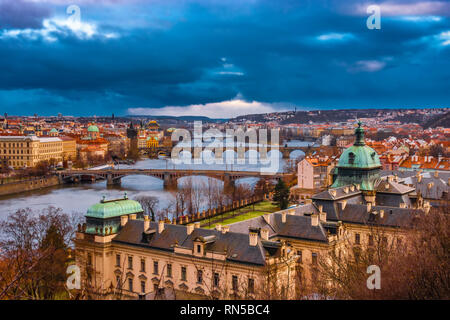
[235, 244]
[340, 194]
[296, 226]
[393, 217]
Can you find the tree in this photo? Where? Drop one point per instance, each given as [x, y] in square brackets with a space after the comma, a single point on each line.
[33, 253]
[281, 195]
[149, 204]
[414, 264]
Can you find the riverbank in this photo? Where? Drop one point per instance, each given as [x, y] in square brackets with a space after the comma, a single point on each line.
[32, 184]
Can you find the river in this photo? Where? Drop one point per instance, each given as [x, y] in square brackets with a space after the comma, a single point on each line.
[78, 198]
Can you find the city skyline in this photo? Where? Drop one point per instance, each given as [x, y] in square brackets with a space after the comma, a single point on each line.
[220, 60]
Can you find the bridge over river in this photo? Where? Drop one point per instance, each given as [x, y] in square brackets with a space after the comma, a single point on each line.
[169, 176]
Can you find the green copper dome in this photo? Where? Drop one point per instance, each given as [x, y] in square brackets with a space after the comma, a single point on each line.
[359, 155]
[358, 164]
[114, 208]
[92, 129]
[53, 131]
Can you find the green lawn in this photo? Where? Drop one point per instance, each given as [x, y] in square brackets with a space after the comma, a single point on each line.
[228, 218]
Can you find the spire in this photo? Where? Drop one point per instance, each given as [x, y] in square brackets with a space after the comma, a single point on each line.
[359, 133]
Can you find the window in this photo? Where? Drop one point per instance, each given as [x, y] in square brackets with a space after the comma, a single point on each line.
[119, 284]
[169, 271]
[314, 258]
[142, 265]
[183, 273]
[130, 262]
[216, 279]
[117, 260]
[143, 286]
[155, 267]
[300, 258]
[89, 259]
[199, 276]
[130, 284]
[199, 248]
[370, 240]
[234, 283]
[357, 238]
[251, 285]
[351, 157]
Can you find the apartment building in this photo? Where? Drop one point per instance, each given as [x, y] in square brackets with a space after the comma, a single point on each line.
[315, 172]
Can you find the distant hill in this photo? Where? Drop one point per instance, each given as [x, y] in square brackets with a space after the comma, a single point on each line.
[181, 118]
[438, 121]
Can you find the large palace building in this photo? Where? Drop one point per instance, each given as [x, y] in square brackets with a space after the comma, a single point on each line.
[27, 151]
[271, 256]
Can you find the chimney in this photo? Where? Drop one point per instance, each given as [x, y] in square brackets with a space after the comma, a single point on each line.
[448, 182]
[419, 178]
[320, 207]
[386, 186]
[315, 220]
[123, 220]
[146, 222]
[436, 174]
[196, 225]
[342, 205]
[218, 227]
[390, 178]
[264, 234]
[369, 206]
[323, 216]
[253, 238]
[429, 185]
[283, 217]
[402, 205]
[381, 214]
[266, 217]
[133, 216]
[225, 229]
[345, 189]
[358, 187]
[160, 226]
[333, 192]
[352, 188]
[189, 228]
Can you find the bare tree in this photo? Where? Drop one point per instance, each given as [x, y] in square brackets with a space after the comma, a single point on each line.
[149, 204]
[33, 254]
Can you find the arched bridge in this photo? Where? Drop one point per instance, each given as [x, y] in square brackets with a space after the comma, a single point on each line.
[169, 176]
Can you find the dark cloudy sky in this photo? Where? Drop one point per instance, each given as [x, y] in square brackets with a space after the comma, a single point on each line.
[220, 58]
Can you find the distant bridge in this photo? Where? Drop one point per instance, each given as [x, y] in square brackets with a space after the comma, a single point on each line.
[195, 152]
[169, 176]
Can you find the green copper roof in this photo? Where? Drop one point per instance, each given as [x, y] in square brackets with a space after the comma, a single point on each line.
[114, 208]
[359, 155]
[93, 129]
[53, 131]
[358, 164]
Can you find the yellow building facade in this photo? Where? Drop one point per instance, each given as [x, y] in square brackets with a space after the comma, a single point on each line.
[27, 151]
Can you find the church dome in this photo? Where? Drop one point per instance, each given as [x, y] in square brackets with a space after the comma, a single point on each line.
[359, 165]
[359, 156]
[92, 129]
[363, 157]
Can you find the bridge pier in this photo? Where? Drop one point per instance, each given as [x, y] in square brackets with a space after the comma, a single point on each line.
[228, 183]
[169, 181]
[110, 181]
